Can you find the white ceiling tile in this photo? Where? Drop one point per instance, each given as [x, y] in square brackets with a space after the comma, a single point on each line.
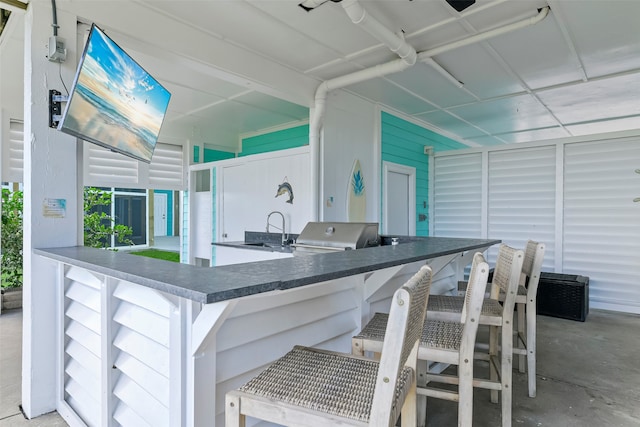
[185, 100]
[503, 115]
[383, 92]
[539, 54]
[429, 84]
[479, 72]
[504, 13]
[485, 141]
[596, 100]
[606, 34]
[444, 120]
[628, 123]
[534, 135]
[216, 95]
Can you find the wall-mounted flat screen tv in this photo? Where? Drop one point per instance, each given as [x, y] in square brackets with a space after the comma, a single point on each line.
[114, 102]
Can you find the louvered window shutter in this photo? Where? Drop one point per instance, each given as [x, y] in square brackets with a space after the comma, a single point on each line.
[166, 171]
[458, 196]
[522, 198]
[13, 153]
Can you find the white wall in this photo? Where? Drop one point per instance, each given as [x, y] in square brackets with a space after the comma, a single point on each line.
[50, 172]
[246, 190]
[351, 131]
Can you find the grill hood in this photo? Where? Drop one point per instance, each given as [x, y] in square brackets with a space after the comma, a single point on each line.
[320, 237]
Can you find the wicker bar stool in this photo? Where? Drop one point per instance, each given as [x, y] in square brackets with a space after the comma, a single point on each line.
[313, 387]
[526, 301]
[446, 342]
[499, 316]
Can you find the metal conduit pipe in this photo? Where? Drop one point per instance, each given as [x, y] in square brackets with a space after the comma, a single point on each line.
[394, 42]
[317, 115]
[427, 54]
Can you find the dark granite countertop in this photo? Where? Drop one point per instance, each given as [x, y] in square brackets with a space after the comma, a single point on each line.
[208, 285]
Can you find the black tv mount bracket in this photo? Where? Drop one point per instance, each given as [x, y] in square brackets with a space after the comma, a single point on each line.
[55, 107]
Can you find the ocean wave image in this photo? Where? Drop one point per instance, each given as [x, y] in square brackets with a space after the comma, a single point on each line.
[115, 102]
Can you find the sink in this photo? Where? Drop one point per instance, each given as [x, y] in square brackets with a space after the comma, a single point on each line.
[261, 244]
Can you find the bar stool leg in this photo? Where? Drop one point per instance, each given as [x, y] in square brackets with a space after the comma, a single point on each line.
[232, 412]
[522, 329]
[531, 350]
[421, 402]
[493, 354]
[507, 373]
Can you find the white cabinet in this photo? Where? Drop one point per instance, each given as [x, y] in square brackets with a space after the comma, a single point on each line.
[224, 255]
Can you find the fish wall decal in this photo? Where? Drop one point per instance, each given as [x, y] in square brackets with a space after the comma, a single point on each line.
[285, 188]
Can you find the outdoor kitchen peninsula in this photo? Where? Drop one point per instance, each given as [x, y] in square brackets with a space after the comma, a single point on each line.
[201, 331]
[206, 285]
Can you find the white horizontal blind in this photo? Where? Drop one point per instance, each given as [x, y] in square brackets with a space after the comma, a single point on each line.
[601, 221]
[13, 153]
[166, 171]
[522, 197]
[105, 168]
[458, 196]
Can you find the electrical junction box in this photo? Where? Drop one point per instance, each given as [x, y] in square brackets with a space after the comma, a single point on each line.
[57, 52]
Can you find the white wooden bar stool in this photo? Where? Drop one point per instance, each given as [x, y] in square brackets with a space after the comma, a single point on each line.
[446, 342]
[526, 300]
[499, 317]
[313, 387]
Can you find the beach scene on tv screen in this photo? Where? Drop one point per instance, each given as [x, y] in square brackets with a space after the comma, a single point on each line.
[115, 102]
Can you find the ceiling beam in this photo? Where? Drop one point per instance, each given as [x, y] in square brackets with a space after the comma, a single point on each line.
[14, 4]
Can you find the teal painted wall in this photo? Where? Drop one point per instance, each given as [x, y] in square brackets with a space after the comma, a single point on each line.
[403, 143]
[169, 194]
[214, 155]
[211, 155]
[274, 141]
[279, 140]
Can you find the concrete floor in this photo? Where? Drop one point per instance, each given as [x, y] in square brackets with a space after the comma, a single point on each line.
[588, 376]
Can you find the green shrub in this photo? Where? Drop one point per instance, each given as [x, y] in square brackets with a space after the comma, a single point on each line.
[12, 202]
[99, 225]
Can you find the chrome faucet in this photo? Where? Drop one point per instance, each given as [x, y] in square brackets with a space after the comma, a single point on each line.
[284, 236]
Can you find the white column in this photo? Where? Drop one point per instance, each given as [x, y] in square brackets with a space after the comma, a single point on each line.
[50, 170]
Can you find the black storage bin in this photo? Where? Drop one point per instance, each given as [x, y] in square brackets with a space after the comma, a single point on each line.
[563, 295]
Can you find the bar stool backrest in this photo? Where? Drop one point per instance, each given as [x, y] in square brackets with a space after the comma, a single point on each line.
[531, 267]
[400, 347]
[506, 277]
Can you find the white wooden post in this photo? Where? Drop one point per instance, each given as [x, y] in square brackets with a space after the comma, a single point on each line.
[49, 173]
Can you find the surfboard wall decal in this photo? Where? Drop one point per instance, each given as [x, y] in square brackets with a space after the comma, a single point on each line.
[356, 197]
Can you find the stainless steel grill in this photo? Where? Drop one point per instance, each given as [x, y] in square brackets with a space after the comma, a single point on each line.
[322, 237]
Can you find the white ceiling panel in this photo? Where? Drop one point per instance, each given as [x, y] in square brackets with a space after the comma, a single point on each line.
[538, 55]
[186, 100]
[534, 135]
[481, 74]
[228, 63]
[589, 101]
[384, 92]
[606, 34]
[427, 83]
[444, 120]
[504, 115]
[626, 124]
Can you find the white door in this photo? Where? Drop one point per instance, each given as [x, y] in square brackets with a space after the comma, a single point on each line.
[399, 200]
[201, 217]
[238, 206]
[159, 214]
